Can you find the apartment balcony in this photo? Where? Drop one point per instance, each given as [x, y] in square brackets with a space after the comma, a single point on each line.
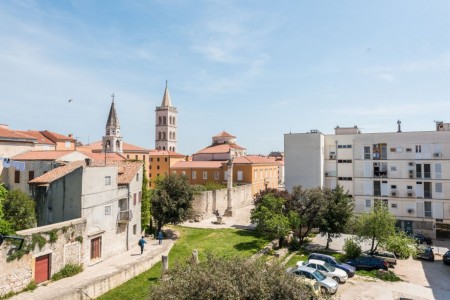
[380, 174]
[427, 195]
[124, 216]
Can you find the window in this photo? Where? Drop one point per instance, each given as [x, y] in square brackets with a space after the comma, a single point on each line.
[366, 152]
[165, 158]
[157, 159]
[240, 175]
[137, 177]
[408, 149]
[418, 148]
[438, 187]
[151, 158]
[426, 171]
[157, 167]
[136, 157]
[427, 209]
[393, 168]
[216, 175]
[345, 161]
[128, 156]
[107, 180]
[134, 199]
[107, 209]
[393, 186]
[194, 175]
[205, 175]
[143, 157]
[393, 205]
[409, 187]
[30, 175]
[134, 229]
[345, 178]
[368, 203]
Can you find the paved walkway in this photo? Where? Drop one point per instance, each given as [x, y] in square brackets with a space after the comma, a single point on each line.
[240, 219]
[107, 274]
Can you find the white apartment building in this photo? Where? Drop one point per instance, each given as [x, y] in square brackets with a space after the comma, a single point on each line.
[409, 172]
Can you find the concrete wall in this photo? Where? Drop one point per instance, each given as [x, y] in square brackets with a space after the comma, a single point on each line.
[39, 168]
[206, 203]
[17, 274]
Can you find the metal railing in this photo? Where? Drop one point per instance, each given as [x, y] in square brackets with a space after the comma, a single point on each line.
[125, 216]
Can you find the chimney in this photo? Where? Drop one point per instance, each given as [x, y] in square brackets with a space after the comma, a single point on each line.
[88, 161]
[399, 123]
[71, 135]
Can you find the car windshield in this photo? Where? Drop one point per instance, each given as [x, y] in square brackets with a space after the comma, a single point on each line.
[329, 267]
[319, 276]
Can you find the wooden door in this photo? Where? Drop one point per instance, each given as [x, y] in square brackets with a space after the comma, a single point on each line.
[42, 268]
[96, 247]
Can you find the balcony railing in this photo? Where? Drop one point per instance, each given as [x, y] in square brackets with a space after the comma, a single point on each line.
[124, 216]
[427, 195]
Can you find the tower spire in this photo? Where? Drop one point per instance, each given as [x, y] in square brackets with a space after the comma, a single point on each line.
[166, 102]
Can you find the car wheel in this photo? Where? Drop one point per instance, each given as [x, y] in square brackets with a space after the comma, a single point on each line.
[323, 290]
[335, 278]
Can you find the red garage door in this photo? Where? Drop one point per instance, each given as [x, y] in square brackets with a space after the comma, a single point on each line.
[42, 268]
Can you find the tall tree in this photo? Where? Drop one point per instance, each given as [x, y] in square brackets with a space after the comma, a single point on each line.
[308, 205]
[171, 201]
[376, 226]
[269, 217]
[19, 210]
[338, 211]
[5, 226]
[145, 208]
[275, 192]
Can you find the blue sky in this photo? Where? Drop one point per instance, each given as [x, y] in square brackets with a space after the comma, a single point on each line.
[257, 69]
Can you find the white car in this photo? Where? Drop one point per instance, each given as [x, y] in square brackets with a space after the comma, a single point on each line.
[326, 284]
[340, 276]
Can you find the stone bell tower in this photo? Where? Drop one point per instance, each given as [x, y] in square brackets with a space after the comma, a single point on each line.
[112, 141]
[166, 124]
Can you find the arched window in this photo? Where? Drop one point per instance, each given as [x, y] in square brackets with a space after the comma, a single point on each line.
[160, 120]
[173, 149]
[164, 135]
[173, 135]
[170, 136]
[118, 145]
[173, 120]
[164, 148]
[170, 120]
[164, 120]
[159, 135]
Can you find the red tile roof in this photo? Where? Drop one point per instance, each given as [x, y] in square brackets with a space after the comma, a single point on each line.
[9, 134]
[127, 171]
[40, 138]
[43, 155]
[165, 153]
[224, 134]
[100, 157]
[57, 173]
[53, 136]
[220, 148]
[97, 146]
[254, 159]
[198, 164]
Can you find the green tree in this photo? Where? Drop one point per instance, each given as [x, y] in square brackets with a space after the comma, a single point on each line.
[19, 210]
[275, 192]
[230, 278]
[269, 217]
[338, 211]
[306, 207]
[146, 205]
[376, 226]
[171, 201]
[401, 244]
[5, 226]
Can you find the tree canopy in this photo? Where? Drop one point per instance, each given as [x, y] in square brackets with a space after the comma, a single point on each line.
[171, 201]
[146, 205]
[230, 278]
[376, 226]
[19, 210]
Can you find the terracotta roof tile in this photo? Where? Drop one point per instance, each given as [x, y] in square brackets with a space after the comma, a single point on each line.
[100, 157]
[53, 136]
[127, 171]
[42, 155]
[224, 134]
[57, 173]
[198, 164]
[165, 153]
[97, 146]
[221, 148]
[40, 138]
[6, 133]
[254, 159]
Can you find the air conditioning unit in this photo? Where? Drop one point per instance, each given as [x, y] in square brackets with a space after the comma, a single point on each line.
[394, 193]
[377, 164]
[410, 164]
[437, 154]
[332, 156]
[410, 193]
[410, 210]
[326, 173]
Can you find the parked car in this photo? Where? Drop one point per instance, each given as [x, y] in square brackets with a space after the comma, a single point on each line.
[384, 255]
[332, 261]
[420, 238]
[368, 263]
[446, 258]
[425, 253]
[338, 275]
[327, 285]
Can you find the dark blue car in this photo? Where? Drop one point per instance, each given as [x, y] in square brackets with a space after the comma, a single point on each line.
[332, 261]
[368, 263]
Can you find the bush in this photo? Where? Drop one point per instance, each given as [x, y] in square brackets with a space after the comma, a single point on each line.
[351, 248]
[229, 278]
[401, 245]
[68, 271]
[387, 275]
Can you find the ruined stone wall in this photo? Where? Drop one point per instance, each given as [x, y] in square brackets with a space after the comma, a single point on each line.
[206, 203]
[61, 240]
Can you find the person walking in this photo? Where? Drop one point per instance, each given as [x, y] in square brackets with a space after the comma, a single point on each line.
[141, 244]
[160, 237]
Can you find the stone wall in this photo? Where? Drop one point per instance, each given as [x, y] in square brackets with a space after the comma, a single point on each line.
[18, 273]
[206, 203]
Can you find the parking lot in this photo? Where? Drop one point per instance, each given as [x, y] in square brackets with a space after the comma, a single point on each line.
[420, 279]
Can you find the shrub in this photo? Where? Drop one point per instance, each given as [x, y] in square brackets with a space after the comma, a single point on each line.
[401, 245]
[351, 248]
[387, 275]
[68, 271]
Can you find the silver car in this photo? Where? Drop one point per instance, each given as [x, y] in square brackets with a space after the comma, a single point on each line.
[327, 285]
[338, 275]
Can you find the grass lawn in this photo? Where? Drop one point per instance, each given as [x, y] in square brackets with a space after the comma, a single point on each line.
[221, 241]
